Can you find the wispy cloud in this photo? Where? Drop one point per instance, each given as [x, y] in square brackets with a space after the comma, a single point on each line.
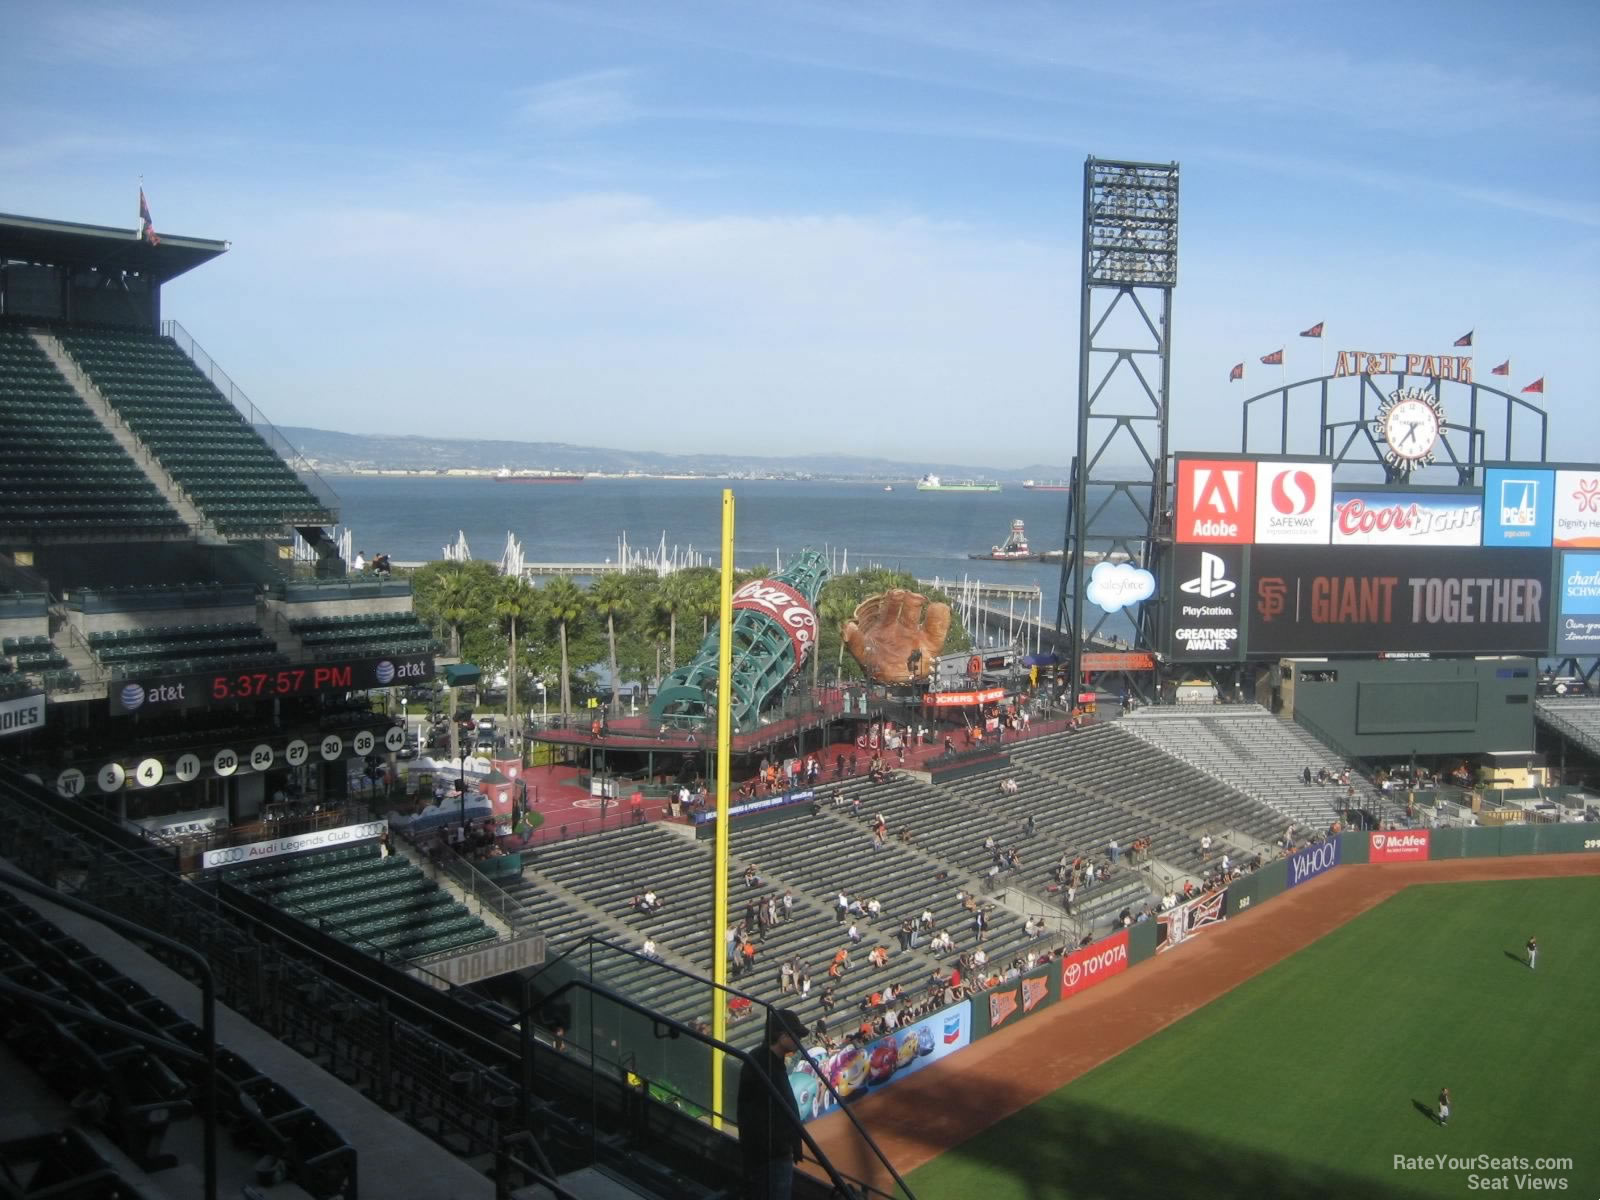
[579, 102]
[120, 36]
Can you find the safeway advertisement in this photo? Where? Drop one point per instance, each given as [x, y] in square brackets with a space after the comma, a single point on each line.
[1411, 845]
[1094, 964]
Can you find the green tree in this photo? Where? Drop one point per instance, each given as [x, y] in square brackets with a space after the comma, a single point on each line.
[514, 602]
[675, 596]
[612, 596]
[561, 605]
[456, 602]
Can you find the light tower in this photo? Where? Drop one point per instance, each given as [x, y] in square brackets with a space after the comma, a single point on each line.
[1118, 497]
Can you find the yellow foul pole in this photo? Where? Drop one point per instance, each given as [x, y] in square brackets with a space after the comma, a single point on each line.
[719, 903]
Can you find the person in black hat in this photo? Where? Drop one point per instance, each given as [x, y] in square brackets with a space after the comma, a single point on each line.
[768, 1116]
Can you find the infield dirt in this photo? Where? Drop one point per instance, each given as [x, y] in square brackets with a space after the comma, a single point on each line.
[931, 1112]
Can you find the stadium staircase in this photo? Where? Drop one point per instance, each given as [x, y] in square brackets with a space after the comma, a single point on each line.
[154, 471]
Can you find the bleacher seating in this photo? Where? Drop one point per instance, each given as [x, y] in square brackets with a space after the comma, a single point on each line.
[344, 635]
[207, 446]
[1578, 719]
[369, 901]
[65, 475]
[129, 1090]
[1247, 747]
[185, 649]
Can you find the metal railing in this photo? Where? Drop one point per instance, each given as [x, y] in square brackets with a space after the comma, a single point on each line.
[282, 446]
[475, 886]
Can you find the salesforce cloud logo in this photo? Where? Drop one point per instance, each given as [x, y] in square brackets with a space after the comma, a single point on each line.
[1117, 585]
[385, 672]
[132, 696]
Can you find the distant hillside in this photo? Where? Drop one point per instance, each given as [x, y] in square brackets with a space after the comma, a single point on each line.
[336, 452]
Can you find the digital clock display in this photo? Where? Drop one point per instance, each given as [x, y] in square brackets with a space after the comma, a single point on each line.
[290, 681]
[305, 679]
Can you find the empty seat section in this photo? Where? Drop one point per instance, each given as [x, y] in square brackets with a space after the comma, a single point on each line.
[356, 633]
[65, 475]
[185, 649]
[207, 446]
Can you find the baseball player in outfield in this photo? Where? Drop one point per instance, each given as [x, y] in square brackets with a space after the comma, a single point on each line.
[1533, 952]
[1444, 1106]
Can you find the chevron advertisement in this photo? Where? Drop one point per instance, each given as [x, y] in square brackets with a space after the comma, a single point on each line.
[1216, 502]
[1518, 506]
[855, 1070]
[1578, 625]
[1294, 503]
[1387, 599]
[1407, 517]
[1207, 603]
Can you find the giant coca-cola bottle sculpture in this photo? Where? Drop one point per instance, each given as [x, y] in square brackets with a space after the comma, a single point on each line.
[774, 632]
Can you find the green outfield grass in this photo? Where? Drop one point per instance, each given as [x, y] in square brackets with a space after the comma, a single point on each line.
[1308, 1080]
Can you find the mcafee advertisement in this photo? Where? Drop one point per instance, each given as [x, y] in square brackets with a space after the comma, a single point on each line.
[1375, 599]
[1410, 845]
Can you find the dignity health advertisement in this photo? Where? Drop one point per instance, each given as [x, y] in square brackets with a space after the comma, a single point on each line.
[855, 1071]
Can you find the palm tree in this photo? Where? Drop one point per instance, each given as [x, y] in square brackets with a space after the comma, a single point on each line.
[611, 596]
[675, 595]
[834, 607]
[561, 603]
[453, 599]
[512, 603]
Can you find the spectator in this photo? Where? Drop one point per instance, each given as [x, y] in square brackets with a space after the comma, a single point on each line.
[648, 950]
[879, 957]
[853, 934]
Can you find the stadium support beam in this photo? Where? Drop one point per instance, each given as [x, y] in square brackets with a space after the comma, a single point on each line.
[1118, 498]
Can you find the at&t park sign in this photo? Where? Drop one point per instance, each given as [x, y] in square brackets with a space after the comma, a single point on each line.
[1455, 367]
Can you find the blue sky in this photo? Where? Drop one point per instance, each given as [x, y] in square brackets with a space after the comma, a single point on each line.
[850, 227]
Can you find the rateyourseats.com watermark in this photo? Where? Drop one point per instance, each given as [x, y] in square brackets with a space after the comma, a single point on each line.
[1495, 1173]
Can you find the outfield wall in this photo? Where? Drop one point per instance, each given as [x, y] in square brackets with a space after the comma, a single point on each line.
[677, 1071]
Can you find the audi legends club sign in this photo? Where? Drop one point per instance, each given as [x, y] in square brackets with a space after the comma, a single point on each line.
[1082, 969]
[220, 687]
[1313, 861]
[1208, 600]
[1410, 845]
[321, 839]
[23, 714]
[1373, 599]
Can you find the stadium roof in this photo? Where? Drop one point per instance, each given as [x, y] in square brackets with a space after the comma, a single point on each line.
[67, 243]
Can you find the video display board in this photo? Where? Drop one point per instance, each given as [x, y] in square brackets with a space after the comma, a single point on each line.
[1375, 599]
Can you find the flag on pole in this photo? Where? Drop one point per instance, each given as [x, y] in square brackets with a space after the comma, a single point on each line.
[1503, 369]
[147, 227]
[1315, 331]
[1465, 339]
[1275, 359]
[1536, 386]
[1236, 373]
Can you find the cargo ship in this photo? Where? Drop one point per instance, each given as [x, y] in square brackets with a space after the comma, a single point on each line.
[932, 483]
[1046, 485]
[506, 475]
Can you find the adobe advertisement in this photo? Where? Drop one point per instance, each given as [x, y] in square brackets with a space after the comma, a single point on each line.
[1518, 506]
[1294, 503]
[1578, 626]
[1216, 502]
[1409, 845]
[1207, 603]
[1406, 517]
[1577, 510]
[1385, 599]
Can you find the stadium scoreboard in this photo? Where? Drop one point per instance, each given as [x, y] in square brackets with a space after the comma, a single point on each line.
[1272, 557]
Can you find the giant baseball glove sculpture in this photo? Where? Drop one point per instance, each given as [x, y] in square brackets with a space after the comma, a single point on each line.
[895, 636]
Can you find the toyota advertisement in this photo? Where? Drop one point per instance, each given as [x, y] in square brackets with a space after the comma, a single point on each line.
[1578, 625]
[1207, 604]
[1082, 969]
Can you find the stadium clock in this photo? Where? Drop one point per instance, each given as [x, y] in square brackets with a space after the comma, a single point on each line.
[1409, 422]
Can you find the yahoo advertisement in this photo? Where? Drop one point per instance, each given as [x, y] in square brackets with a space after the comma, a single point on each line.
[855, 1071]
[1313, 861]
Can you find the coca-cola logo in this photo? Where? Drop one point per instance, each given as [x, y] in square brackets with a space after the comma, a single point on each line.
[1293, 492]
[786, 606]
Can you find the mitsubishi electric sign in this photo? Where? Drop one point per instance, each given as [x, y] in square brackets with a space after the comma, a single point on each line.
[1207, 613]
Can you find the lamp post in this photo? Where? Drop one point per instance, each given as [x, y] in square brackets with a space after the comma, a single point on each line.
[544, 703]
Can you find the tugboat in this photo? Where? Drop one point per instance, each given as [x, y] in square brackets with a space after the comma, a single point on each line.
[1013, 549]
